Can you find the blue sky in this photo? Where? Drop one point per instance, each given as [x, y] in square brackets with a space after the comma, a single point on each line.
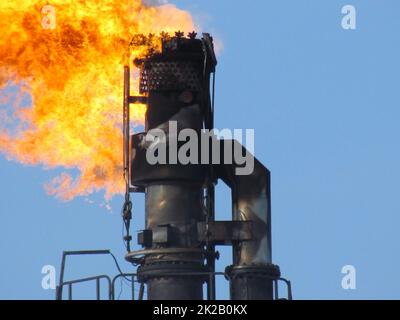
[325, 106]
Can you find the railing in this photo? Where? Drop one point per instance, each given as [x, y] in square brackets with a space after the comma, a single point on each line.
[132, 278]
[288, 286]
[111, 288]
[69, 284]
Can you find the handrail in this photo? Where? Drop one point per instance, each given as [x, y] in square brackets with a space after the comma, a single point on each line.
[63, 261]
[289, 288]
[111, 283]
[124, 275]
[70, 283]
[133, 276]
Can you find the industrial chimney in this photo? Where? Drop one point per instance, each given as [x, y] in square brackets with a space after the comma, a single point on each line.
[178, 254]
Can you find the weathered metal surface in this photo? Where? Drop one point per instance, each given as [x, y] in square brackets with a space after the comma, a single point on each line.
[251, 202]
[255, 282]
[175, 83]
[180, 198]
[225, 232]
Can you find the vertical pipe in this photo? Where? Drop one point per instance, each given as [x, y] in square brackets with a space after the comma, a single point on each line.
[141, 291]
[98, 288]
[133, 287]
[175, 192]
[252, 272]
[126, 128]
[211, 247]
[70, 291]
[269, 218]
[60, 285]
[180, 208]
[211, 290]
[276, 289]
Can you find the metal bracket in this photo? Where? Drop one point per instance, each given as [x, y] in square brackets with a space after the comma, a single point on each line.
[225, 232]
[145, 238]
[160, 235]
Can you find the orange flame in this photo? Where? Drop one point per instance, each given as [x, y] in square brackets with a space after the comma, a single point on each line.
[69, 63]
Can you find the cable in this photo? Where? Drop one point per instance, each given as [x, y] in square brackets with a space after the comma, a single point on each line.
[119, 268]
[127, 216]
[121, 289]
[127, 207]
